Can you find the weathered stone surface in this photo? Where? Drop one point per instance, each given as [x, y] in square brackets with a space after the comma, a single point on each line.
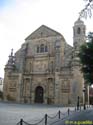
[45, 69]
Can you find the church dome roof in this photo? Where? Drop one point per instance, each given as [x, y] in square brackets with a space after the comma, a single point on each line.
[79, 22]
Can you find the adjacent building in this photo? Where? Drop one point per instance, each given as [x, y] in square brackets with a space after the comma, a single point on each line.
[46, 69]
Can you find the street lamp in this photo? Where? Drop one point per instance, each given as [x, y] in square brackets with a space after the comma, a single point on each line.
[84, 89]
[78, 103]
[88, 95]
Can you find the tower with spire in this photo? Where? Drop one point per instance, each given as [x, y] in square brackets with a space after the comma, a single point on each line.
[10, 66]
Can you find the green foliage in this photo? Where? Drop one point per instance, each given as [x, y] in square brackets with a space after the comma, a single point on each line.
[86, 59]
[87, 10]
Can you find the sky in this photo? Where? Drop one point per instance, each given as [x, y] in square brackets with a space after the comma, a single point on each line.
[19, 18]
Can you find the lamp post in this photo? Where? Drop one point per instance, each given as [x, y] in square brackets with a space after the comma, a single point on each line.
[78, 103]
[88, 96]
[84, 89]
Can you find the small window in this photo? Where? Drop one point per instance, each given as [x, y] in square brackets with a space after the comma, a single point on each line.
[46, 49]
[42, 48]
[84, 30]
[78, 30]
[37, 49]
[30, 67]
[57, 44]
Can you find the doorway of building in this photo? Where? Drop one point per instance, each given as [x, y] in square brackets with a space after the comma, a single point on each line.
[39, 93]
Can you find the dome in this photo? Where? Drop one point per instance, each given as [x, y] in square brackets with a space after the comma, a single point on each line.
[79, 22]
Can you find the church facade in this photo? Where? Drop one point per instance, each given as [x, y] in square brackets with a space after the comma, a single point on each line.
[46, 69]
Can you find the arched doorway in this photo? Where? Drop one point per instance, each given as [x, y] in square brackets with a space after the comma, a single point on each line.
[39, 93]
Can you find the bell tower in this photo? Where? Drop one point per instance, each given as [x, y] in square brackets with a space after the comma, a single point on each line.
[79, 33]
[79, 38]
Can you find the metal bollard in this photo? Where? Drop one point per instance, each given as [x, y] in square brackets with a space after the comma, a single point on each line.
[84, 107]
[75, 109]
[68, 111]
[45, 119]
[21, 121]
[59, 114]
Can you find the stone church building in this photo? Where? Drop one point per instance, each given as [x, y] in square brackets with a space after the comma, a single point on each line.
[46, 69]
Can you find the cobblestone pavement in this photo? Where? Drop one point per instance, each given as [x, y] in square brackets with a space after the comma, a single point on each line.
[11, 113]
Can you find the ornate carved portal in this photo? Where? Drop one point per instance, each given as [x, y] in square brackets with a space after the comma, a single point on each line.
[39, 93]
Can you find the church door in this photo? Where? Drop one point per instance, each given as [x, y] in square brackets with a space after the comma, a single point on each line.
[39, 93]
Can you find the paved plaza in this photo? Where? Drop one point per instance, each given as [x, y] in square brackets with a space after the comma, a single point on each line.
[11, 113]
[80, 118]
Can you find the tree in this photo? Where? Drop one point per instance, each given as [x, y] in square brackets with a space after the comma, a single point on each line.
[86, 59]
[87, 11]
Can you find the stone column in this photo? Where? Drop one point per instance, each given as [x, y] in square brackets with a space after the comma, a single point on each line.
[30, 90]
[57, 88]
[19, 88]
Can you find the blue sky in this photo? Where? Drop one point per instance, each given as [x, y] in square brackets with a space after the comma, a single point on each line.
[4, 3]
[19, 18]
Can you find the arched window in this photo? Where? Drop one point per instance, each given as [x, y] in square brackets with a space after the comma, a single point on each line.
[46, 49]
[37, 49]
[78, 30]
[42, 48]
